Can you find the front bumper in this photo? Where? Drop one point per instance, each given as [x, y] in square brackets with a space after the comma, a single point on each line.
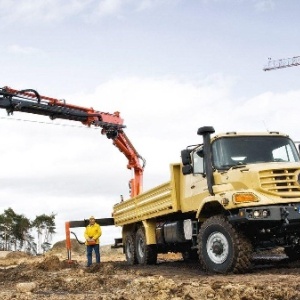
[280, 213]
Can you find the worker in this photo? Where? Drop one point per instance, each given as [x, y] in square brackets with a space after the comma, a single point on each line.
[92, 234]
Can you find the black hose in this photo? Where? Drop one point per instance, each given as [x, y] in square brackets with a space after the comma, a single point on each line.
[37, 95]
[81, 243]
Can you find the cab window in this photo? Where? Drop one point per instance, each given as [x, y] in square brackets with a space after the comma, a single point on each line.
[197, 163]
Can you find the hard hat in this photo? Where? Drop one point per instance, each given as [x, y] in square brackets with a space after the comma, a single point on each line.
[92, 217]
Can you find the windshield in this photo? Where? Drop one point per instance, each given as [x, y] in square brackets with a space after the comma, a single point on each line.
[241, 150]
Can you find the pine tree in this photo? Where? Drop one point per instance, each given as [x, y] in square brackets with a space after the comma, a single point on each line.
[45, 226]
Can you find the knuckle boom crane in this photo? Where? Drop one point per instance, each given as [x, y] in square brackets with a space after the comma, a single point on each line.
[232, 195]
[30, 101]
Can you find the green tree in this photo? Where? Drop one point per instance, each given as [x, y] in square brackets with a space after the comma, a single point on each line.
[21, 231]
[45, 226]
[6, 227]
[15, 232]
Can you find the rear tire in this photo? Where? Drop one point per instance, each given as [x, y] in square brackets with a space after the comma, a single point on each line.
[145, 254]
[130, 249]
[221, 248]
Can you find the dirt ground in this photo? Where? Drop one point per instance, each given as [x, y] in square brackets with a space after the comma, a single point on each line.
[50, 277]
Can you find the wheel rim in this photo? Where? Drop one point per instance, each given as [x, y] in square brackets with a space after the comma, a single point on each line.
[141, 247]
[217, 247]
[128, 249]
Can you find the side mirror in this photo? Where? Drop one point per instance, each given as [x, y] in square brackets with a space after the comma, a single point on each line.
[187, 169]
[200, 153]
[186, 157]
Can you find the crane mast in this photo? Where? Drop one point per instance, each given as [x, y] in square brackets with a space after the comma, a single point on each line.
[282, 63]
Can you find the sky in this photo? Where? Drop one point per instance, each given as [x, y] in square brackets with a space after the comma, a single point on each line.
[168, 66]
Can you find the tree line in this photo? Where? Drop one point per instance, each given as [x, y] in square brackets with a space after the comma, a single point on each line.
[19, 233]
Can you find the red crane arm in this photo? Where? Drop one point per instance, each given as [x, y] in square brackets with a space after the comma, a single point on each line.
[30, 101]
[92, 115]
[124, 145]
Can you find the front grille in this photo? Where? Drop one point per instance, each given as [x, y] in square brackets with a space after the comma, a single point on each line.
[280, 182]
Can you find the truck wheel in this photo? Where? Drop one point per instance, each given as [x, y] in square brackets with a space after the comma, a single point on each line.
[130, 249]
[221, 248]
[145, 254]
[293, 253]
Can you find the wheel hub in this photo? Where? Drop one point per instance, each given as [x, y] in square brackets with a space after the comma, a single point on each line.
[217, 247]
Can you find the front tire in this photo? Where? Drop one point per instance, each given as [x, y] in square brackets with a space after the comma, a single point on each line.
[145, 254]
[221, 248]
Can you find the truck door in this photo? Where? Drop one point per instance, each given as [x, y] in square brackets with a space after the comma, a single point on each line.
[195, 184]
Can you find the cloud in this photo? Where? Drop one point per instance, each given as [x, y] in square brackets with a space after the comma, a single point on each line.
[109, 7]
[121, 8]
[259, 5]
[33, 11]
[47, 11]
[264, 5]
[24, 50]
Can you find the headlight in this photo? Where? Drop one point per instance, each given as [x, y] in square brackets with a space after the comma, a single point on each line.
[256, 214]
[244, 197]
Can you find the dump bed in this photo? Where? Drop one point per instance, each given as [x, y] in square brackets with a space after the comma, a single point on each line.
[161, 200]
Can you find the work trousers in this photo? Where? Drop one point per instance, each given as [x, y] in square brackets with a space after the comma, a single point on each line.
[89, 253]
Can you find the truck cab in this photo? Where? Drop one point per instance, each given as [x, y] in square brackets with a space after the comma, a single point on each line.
[253, 199]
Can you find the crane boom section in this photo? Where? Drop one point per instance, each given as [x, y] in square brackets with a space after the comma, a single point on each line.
[282, 63]
[29, 101]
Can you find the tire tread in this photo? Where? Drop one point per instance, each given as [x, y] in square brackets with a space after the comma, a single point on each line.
[241, 245]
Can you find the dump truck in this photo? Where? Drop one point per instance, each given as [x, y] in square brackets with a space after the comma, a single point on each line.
[230, 196]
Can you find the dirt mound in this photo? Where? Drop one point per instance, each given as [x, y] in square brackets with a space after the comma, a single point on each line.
[17, 254]
[50, 263]
[61, 246]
